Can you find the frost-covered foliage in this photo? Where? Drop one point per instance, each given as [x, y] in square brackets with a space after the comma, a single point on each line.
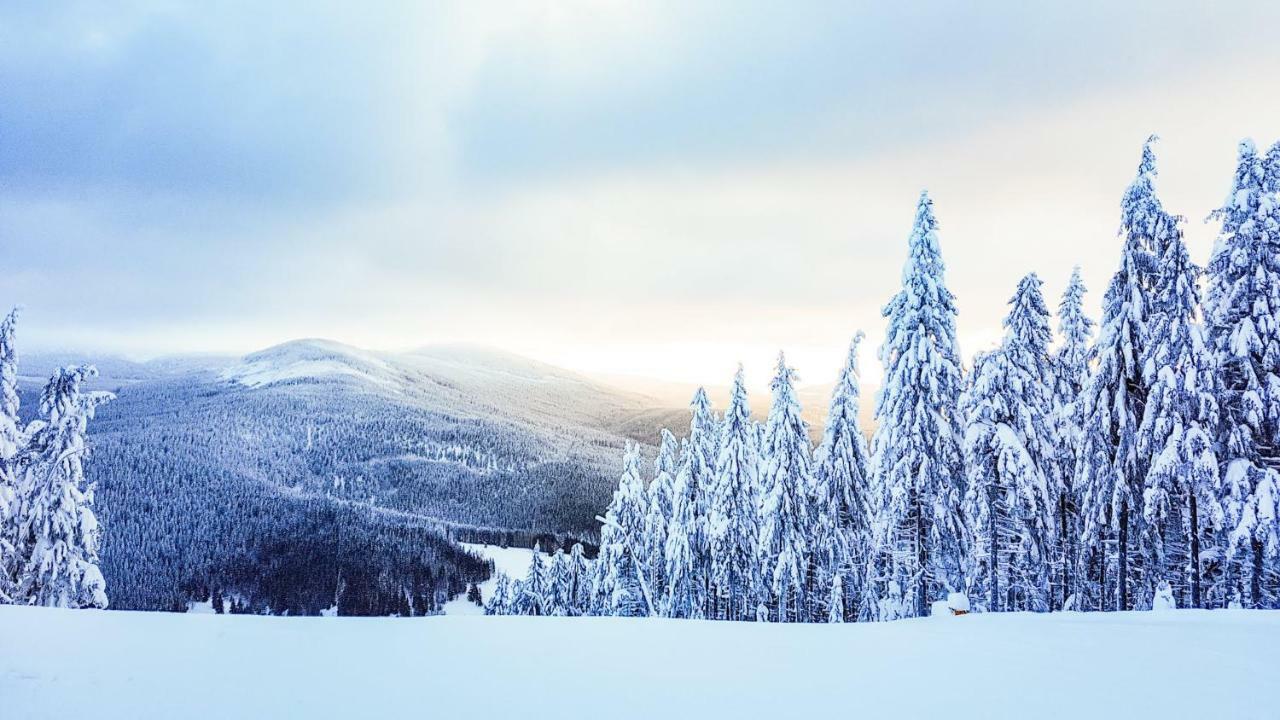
[1241, 308]
[1180, 505]
[57, 532]
[1071, 371]
[49, 534]
[1110, 468]
[535, 589]
[657, 517]
[624, 587]
[10, 430]
[842, 497]
[733, 523]
[11, 440]
[1011, 462]
[785, 515]
[686, 547]
[916, 462]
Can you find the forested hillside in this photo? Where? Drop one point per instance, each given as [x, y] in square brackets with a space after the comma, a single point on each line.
[313, 474]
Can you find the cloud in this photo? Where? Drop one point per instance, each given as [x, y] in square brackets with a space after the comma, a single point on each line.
[656, 188]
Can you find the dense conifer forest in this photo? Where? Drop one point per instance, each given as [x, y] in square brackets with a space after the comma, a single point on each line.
[1137, 469]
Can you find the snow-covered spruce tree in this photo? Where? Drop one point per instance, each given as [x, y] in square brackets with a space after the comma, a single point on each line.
[579, 591]
[1181, 492]
[1110, 469]
[686, 550]
[1071, 371]
[500, 602]
[11, 441]
[1010, 458]
[658, 499]
[1026, 349]
[842, 515]
[622, 542]
[1242, 302]
[600, 591]
[787, 482]
[733, 524]
[58, 534]
[559, 599]
[916, 465]
[535, 589]
[11, 438]
[1271, 169]
[835, 601]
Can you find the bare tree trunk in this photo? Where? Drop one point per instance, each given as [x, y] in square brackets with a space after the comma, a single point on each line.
[994, 560]
[1068, 554]
[1195, 553]
[1255, 582]
[1122, 559]
[922, 581]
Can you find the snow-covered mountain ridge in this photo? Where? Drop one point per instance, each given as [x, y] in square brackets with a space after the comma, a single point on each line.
[455, 436]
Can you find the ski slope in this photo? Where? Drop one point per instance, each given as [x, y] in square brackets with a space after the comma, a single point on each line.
[1178, 664]
[512, 562]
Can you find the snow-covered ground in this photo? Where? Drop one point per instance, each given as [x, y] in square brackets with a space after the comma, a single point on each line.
[1178, 664]
[514, 562]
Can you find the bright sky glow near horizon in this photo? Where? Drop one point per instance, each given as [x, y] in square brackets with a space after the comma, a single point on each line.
[625, 188]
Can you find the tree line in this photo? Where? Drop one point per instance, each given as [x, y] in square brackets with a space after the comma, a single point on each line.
[1136, 469]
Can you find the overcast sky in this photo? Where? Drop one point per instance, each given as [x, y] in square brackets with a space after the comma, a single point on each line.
[614, 187]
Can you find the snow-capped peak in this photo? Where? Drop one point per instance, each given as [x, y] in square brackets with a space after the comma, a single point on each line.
[308, 359]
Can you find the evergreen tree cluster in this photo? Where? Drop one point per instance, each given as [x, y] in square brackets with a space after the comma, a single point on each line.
[1139, 468]
[738, 521]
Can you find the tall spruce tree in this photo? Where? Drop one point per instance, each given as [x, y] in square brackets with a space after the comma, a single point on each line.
[686, 548]
[58, 534]
[1181, 491]
[1241, 307]
[842, 511]
[622, 542]
[733, 524]
[1271, 169]
[1071, 372]
[559, 597]
[787, 483]
[1011, 460]
[835, 601]
[499, 602]
[578, 596]
[658, 512]
[535, 589]
[1110, 469]
[916, 463]
[11, 441]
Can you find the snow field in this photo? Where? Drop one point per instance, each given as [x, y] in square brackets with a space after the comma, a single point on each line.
[64, 663]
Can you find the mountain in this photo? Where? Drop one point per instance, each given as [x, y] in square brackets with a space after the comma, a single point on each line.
[248, 475]
[313, 464]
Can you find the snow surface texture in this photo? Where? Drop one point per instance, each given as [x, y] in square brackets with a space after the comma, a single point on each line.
[64, 664]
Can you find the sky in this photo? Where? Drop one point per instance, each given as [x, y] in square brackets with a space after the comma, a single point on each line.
[620, 188]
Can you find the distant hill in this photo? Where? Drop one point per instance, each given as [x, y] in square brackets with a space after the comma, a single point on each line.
[209, 468]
